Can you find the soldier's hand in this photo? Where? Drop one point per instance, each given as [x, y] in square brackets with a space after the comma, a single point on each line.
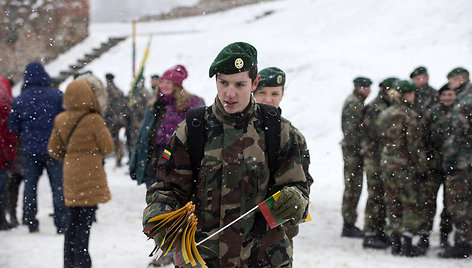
[290, 205]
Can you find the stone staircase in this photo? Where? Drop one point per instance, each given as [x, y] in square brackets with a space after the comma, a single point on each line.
[89, 57]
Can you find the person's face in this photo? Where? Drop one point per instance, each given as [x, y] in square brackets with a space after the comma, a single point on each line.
[167, 86]
[455, 82]
[421, 79]
[269, 95]
[234, 90]
[448, 97]
[409, 97]
[155, 82]
[363, 90]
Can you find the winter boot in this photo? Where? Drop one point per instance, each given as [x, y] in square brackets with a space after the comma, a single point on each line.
[350, 230]
[444, 240]
[423, 243]
[407, 248]
[458, 251]
[374, 241]
[395, 243]
[12, 200]
[4, 225]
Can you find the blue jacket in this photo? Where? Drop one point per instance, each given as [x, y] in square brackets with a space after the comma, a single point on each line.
[33, 112]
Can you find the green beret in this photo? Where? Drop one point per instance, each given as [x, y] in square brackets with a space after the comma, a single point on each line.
[405, 86]
[362, 81]
[234, 58]
[419, 70]
[156, 76]
[271, 77]
[444, 87]
[109, 76]
[456, 71]
[389, 83]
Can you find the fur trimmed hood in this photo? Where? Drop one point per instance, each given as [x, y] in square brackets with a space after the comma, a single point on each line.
[98, 88]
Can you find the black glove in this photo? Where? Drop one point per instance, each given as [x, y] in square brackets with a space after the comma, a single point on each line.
[290, 205]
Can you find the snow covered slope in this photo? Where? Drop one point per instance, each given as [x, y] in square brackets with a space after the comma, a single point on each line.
[322, 45]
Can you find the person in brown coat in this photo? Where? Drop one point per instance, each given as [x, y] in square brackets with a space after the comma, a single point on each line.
[81, 148]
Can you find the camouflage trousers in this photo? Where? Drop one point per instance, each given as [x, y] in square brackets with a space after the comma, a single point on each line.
[374, 215]
[353, 168]
[428, 193]
[459, 204]
[401, 201]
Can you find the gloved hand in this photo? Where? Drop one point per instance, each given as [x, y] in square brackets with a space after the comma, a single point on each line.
[290, 205]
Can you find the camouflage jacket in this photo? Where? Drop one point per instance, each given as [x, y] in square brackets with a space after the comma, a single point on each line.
[117, 109]
[466, 87]
[400, 139]
[351, 121]
[370, 142]
[458, 147]
[438, 128]
[425, 97]
[233, 178]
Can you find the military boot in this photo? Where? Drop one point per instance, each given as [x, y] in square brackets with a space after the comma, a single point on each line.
[423, 243]
[408, 249]
[376, 241]
[444, 240]
[395, 243]
[350, 230]
[458, 251]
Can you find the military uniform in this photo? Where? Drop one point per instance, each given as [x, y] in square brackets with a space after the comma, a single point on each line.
[458, 164]
[426, 96]
[438, 125]
[402, 158]
[233, 178]
[116, 115]
[352, 127]
[374, 218]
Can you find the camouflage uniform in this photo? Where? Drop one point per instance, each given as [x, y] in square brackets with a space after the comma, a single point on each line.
[425, 97]
[233, 178]
[458, 163]
[352, 126]
[402, 158]
[438, 125]
[136, 114]
[115, 115]
[374, 218]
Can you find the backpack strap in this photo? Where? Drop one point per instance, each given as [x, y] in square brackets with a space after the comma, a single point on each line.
[196, 136]
[271, 125]
[75, 125]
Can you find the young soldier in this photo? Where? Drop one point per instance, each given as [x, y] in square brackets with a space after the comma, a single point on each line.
[402, 159]
[438, 122]
[425, 95]
[457, 164]
[374, 216]
[270, 91]
[234, 174]
[351, 124]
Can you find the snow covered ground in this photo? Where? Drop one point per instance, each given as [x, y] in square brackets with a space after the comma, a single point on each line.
[322, 45]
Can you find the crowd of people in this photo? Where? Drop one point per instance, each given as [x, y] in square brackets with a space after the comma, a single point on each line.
[409, 140]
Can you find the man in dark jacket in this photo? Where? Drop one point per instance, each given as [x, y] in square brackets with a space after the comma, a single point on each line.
[32, 118]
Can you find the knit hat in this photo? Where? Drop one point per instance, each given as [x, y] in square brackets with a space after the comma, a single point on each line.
[419, 70]
[234, 58]
[176, 74]
[362, 81]
[271, 77]
[457, 71]
[35, 74]
[5, 89]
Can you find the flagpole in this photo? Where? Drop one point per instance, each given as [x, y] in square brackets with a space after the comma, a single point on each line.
[134, 49]
[220, 230]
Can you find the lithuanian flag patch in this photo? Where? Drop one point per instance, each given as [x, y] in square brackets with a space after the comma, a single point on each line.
[166, 154]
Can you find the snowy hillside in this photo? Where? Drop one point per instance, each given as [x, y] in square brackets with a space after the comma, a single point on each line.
[321, 45]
